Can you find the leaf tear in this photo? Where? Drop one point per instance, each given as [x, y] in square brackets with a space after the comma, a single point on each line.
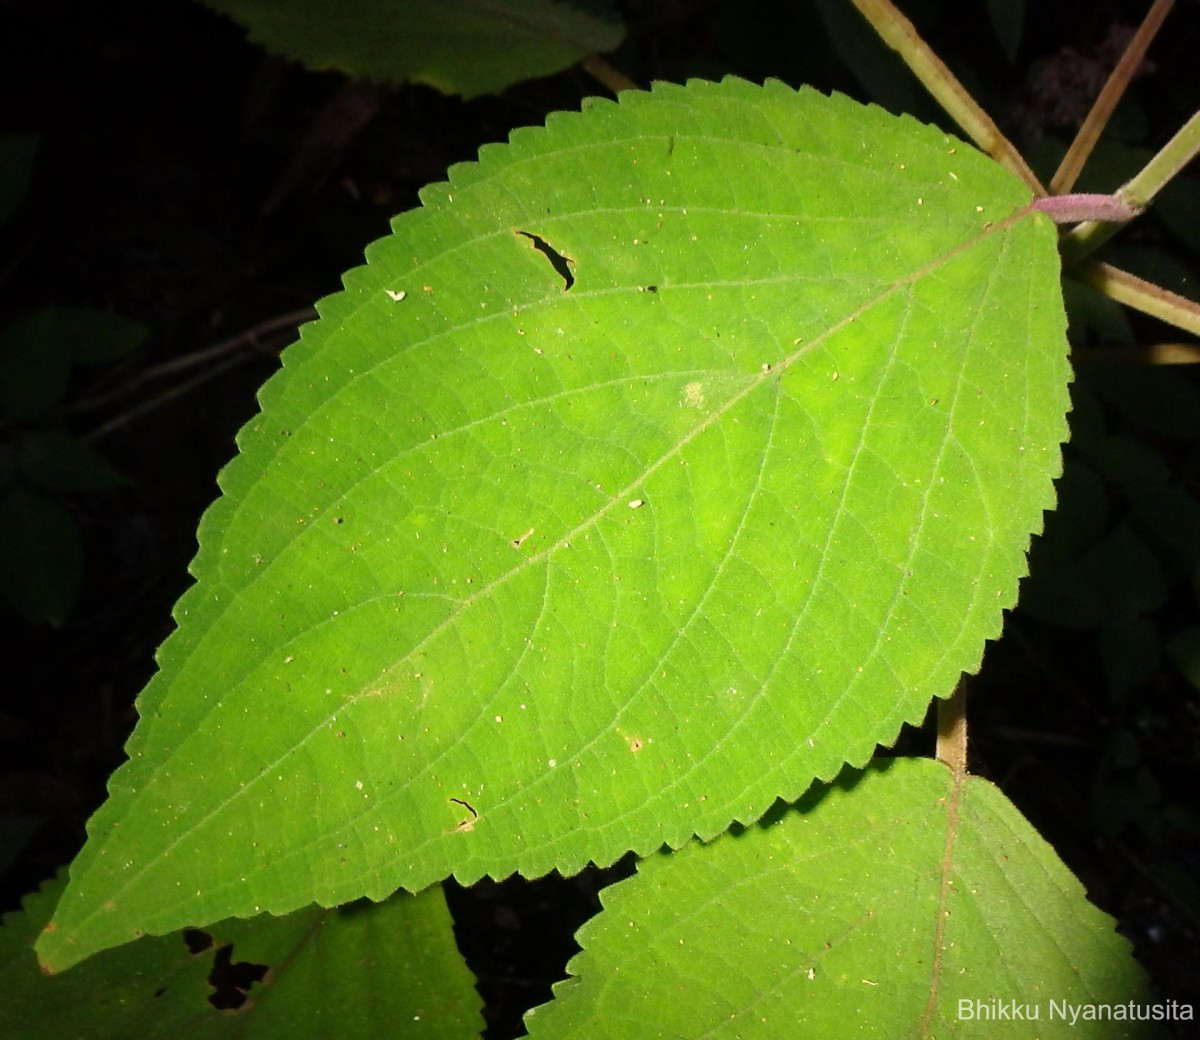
[559, 261]
[469, 824]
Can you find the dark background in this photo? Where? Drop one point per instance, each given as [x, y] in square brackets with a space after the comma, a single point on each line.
[187, 180]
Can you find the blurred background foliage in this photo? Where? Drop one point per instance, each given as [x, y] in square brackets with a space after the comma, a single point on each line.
[173, 200]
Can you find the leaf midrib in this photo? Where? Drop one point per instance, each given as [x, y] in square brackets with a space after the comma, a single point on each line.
[945, 873]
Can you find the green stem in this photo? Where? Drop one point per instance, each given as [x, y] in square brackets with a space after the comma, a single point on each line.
[952, 730]
[599, 69]
[1143, 296]
[901, 35]
[1151, 354]
[1173, 157]
[1089, 133]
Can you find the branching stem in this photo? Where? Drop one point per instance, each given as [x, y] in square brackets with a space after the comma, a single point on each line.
[1173, 157]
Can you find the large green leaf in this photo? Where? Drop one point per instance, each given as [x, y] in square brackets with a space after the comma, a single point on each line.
[512, 575]
[896, 903]
[467, 47]
[357, 973]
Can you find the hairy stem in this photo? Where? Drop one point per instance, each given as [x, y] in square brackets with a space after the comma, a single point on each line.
[901, 35]
[1070, 209]
[1068, 171]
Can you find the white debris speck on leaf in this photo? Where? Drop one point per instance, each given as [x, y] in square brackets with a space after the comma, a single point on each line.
[637, 503]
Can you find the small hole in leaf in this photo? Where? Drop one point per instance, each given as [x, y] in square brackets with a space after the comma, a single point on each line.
[196, 940]
[559, 261]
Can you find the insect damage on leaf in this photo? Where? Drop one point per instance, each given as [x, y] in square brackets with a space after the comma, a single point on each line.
[231, 981]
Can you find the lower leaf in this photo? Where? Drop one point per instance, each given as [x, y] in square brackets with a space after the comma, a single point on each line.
[357, 973]
[895, 902]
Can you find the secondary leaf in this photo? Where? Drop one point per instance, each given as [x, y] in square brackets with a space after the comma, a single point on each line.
[357, 973]
[467, 47]
[893, 903]
[39, 348]
[518, 570]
